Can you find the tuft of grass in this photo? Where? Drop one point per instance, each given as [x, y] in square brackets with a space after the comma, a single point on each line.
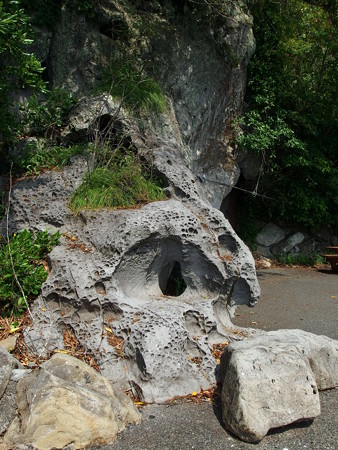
[133, 87]
[39, 157]
[125, 183]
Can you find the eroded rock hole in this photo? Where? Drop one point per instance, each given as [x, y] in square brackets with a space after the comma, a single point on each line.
[116, 28]
[174, 284]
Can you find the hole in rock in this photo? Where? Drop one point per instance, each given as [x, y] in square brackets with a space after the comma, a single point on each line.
[116, 28]
[171, 280]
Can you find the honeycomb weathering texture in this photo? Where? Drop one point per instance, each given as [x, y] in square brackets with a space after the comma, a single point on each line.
[110, 278]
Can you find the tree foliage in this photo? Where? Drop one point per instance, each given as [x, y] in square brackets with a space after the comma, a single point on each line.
[292, 108]
[18, 68]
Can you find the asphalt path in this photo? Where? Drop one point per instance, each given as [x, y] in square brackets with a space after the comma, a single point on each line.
[291, 298]
[303, 298]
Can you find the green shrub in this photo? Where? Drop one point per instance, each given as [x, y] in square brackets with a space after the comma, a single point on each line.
[133, 87]
[19, 68]
[44, 116]
[125, 183]
[27, 251]
[303, 260]
[39, 157]
[291, 112]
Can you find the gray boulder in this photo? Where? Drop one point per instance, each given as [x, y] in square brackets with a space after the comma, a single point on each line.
[273, 380]
[65, 402]
[8, 366]
[289, 245]
[269, 235]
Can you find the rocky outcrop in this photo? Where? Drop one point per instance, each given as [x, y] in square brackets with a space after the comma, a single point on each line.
[278, 240]
[111, 286]
[113, 269]
[171, 40]
[273, 380]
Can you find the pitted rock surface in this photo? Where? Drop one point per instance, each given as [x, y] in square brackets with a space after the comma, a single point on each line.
[117, 281]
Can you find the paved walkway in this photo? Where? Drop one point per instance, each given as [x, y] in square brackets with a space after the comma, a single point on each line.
[291, 298]
[302, 298]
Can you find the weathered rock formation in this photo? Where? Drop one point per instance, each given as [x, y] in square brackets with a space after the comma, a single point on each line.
[116, 276]
[199, 56]
[273, 380]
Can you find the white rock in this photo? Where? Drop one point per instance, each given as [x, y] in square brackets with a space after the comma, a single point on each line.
[273, 380]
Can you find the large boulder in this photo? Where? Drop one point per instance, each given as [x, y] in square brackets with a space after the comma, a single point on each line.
[273, 380]
[288, 245]
[113, 269]
[65, 402]
[173, 39]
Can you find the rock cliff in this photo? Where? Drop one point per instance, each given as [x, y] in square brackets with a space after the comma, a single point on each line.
[109, 278]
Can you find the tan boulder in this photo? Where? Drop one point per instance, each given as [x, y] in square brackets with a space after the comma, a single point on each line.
[66, 402]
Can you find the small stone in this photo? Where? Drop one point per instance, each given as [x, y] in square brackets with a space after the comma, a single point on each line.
[9, 343]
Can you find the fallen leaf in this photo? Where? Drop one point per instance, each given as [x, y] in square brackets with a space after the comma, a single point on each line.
[13, 330]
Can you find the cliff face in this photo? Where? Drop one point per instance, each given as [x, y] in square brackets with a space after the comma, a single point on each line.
[198, 55]
[112, 288]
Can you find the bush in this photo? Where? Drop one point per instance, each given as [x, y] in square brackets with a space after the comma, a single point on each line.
[291, 117]
[45, 116]
[27, 252]
[18, 68]
[125, 183]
